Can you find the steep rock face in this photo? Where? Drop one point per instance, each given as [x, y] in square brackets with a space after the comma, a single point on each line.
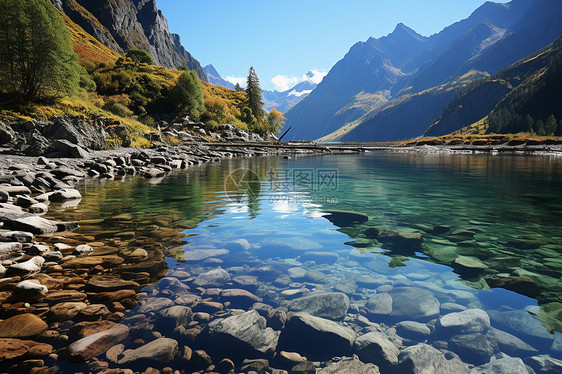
[125, 24]
[215, 78]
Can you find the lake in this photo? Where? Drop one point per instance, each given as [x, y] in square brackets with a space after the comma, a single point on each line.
[396, 240]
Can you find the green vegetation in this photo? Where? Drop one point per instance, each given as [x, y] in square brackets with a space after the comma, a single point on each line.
[253, 90]
[187, 95]
[36, 56]
[140, 57]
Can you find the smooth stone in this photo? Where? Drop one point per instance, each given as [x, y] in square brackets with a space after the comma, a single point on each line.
[174, 316]
[522, 322]
[22, 326]
[332, 305]
[380, 303]
[110, 283]
[369, 282]
[65, 295]
[193, 255]
[414, 303]
[15, 348]
[153, 304]
[503, 364]
[30, 290]
[375, 347]
[213, 278]
[512, 345]
[315, 337]
[245, 334]
[470, 262]
[52, 256]
[424, 359]
[97, 344]
[29, 267]
[468, 321]
[8, 250]
[451, 307]
[474, 348]
[305, 367]
[412, 329]
[347, 287]
[239, 298]
[208, 307]
[34, 224]
[544, 364]
[91, 261]
[161, 350]
[64, 194]
[349, 366]
[87, 328]
[38, 208]
[83, 250]
[66, 311]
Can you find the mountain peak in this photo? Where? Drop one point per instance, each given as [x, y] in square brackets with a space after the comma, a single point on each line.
[401, 30]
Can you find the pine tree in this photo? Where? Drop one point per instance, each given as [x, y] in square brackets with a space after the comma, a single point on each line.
[551, 126]
[36, 55]
[253, 92]
[187, 95]
[237, 88]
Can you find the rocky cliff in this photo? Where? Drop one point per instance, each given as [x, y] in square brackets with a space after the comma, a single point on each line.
[125, 24]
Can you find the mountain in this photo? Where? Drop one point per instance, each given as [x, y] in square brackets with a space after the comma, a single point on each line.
[215, 78]
[125, 24]
[285, 100]
[396, 86]
[513, 100]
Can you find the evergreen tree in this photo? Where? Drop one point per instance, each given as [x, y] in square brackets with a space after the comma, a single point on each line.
[539, 128]
[187, 95]
[237, 88]
[551, 126]
[36, 55]
[140, 57]
[529, 122]
[253, 92]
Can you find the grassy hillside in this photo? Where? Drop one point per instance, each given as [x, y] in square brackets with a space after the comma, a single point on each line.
[121, 92]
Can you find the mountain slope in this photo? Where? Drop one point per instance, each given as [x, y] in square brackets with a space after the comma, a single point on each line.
[213, 77]
[494, 36]
[285, 100]
[125, 24]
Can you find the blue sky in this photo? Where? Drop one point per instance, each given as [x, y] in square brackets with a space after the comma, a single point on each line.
[285, 39]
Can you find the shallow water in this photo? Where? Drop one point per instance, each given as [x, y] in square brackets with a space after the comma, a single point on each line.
[485, 221]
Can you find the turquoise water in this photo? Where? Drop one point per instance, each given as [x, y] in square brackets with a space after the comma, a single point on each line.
[488, 230]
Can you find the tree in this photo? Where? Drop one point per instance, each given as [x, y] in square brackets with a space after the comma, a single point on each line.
[187, 95]
[275, 121]
[539, 128]
[529, 122]
[253, 91]
[237, 88]
[36, 55]
[551, 125]
[140, 57]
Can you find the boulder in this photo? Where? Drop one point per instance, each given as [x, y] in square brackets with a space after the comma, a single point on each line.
[468, 321]
[96, 344]
[380, 303]
[315, 337]
[174, 316]
[27, 268]
[153, 304]
[413, 303]
[29, 290]
[83, 250]
[348, 366]
[375, 347]
[239, 298]
[412, 330]
[66, 311]
[502, 364]
[244, 335]
[22, 326]
[34, 224]
[474, 348]
[160, 351]
[212, 278]
[9, 250]
[512, 345]
[544, 364]
[332, 305]
[69, 149]
[64, 194]
[422, 358]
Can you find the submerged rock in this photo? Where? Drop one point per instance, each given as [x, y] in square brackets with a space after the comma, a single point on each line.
[468, 321]
[423, 358]
[544, 364]
[96, 344]
[333, 305]
[213, 278]
[315, 337]
[380, 303]
[194, 255]
[349, 366]
[375, 347]
[414, 303]
[22, 326]
[503, 364]
[162, 351]
[243, 335]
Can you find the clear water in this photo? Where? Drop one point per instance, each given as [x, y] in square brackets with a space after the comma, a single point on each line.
[504, 213]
